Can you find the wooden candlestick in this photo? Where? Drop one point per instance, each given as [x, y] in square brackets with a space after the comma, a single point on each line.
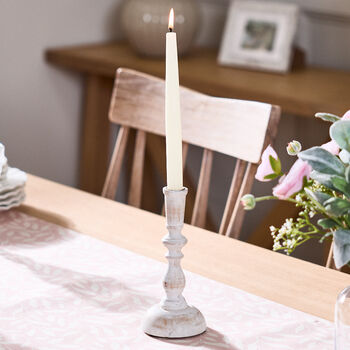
[173, 317]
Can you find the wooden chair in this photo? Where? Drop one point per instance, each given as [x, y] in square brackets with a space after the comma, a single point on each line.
[330, 263]
[236, 128]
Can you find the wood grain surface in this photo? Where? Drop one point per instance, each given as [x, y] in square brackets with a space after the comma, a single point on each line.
[223, 125]
[303, 91]
[286, 280]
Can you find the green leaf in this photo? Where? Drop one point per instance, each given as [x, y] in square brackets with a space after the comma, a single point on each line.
[337, 206]
[318, 197]
[325, 236]
[327, 223]
[322, 161]
[341, 185]
[341, 247]
[340, 133]
[328, 117]
[347, 174]
[275, 165]
[344, 156]
[347, 219]
[323, 179]
[271, 176]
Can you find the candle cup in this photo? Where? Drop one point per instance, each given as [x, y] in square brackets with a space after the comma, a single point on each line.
[173, 317]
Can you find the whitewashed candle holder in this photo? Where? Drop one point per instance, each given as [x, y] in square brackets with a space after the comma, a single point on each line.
[173, 317]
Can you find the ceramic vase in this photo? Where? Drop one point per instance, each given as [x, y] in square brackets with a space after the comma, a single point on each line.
[145, 24]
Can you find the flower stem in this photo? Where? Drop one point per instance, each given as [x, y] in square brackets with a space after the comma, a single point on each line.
[264, 198]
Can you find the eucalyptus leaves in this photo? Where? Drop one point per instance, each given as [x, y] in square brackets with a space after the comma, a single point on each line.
[318, 183]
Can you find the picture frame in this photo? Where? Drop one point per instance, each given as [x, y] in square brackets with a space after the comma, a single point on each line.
[259, 35]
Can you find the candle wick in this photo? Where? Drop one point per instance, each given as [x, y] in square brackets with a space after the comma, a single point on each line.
[170, 29]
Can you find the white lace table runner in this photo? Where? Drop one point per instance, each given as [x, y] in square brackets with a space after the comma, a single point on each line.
[63, 290]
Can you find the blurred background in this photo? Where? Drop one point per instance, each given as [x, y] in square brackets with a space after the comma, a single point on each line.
[42, 103]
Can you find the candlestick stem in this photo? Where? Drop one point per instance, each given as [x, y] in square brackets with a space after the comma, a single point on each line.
[173, 317]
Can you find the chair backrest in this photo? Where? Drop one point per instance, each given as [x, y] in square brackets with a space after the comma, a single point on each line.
[237, 128]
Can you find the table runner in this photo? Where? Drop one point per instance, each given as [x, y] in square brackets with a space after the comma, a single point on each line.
[63, 290]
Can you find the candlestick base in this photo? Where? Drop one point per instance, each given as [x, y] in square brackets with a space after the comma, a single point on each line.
[187, 322]
[173, 318]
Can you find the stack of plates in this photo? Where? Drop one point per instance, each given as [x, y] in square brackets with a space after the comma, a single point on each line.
[12, 182]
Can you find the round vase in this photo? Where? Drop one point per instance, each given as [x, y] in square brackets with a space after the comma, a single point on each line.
[145, 24]
[342, 320]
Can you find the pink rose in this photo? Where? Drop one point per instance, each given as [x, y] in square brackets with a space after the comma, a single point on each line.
[346, 116]
[265, 168]
[331, 147]
[293, 181]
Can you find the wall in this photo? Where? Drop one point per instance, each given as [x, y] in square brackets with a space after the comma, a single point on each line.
[40, 106]
[323, 29]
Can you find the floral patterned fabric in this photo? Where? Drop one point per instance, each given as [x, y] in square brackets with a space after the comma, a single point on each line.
[63, 290]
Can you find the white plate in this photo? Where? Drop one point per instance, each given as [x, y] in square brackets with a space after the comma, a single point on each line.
[3, 159]
[4, 170]
[12, 198]
[12, 190]
[11, 193]
[13, 204]
[15, 178]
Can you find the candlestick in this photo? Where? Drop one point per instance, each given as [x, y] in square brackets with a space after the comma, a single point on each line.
[172, 111]
[173, 317]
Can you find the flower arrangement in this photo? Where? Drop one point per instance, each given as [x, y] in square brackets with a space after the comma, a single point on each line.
[319, 184]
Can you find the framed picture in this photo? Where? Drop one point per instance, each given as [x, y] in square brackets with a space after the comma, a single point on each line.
[259, 35]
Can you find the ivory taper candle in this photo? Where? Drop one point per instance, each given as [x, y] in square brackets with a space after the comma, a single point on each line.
[172, 111]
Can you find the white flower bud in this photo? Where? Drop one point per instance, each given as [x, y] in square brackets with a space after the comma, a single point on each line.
[293, 148]
[248, 201]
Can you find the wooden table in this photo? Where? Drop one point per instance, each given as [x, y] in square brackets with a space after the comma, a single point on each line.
[302, 92]
[286, 280]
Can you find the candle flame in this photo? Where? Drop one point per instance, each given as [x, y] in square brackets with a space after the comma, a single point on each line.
[171, 20]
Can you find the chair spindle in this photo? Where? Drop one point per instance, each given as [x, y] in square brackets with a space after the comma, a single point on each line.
[201, 201]
[236, 183]
[136, 181]
[236, 220]
[111, 183]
